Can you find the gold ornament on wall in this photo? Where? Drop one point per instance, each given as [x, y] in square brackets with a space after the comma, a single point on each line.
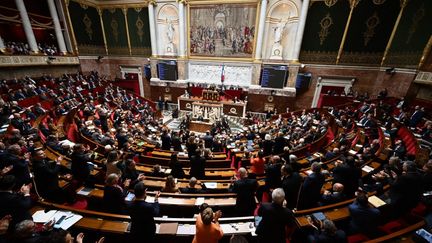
[330, 3]
[114, 28]
[325, 23]
[418, 16]
[371, 23]
[140, 25]
[378, 2]
[138, 9]
[88, 29]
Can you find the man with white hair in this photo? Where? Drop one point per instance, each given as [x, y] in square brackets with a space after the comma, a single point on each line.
[275, 216]
[245, 189]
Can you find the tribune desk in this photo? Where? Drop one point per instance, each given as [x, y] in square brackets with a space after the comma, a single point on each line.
[228, 107]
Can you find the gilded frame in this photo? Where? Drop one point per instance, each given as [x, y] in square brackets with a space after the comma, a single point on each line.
[194, 3]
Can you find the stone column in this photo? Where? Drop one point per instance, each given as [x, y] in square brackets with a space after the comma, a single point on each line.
[27, 26]
[152, 21]
[2, 45]
[182, 30]
[57, 27]
[300, 30]
[293, 70]
[260, 34]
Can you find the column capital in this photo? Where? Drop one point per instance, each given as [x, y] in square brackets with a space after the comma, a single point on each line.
[184, 2]
[99, 10]
[124, 10]
[66, 3]
[152, 2]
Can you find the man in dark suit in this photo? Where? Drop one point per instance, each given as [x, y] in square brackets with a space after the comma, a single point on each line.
[310, 193]
[245, 189]
[332, 154]
[20, 165]
[80, 168]
[334, 196]
[291, 182]
[142, 213]
[46, 174]
[273, 172]
[275, 217]
[279, 144]
[166, 140]
[406, 191]
[417, 116]
[197, 165]
[176, 142]
[348, 175]
[364, 219]
[208, 140]
[15, 204]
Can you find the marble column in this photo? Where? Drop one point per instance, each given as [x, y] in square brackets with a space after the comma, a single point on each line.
[182, 41]
[260, 34]
[152, 28]
[57, 27]
[27, 26]
[300, 30]
[2, 45]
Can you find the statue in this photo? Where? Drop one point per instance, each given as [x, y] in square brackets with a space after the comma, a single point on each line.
[170, 31]
[170, 49]
[276, 52]
[278, 30]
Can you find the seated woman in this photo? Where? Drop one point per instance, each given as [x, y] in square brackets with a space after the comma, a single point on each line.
[114, 194]
[170, 185]
[113, 164]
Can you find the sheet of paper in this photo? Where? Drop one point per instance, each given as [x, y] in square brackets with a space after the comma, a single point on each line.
[70, 219]
[42, 217]
[211, 185]
[85, 191]
[376, 201]
[367, 168]
[186, 229]
[199, 201]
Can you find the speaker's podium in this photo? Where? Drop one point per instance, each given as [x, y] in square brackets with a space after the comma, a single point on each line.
[209, 108]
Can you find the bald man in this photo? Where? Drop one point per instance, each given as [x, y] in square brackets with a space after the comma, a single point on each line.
[245, 189]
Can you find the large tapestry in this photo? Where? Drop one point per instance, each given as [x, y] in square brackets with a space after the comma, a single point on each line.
[223, 30]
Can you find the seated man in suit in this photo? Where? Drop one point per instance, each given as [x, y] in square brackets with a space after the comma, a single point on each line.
[192, 187]
[334, 196]
[275, 218]
[245, 189]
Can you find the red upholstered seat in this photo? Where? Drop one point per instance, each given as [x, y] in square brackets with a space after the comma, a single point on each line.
[392, 226]
[357, 238]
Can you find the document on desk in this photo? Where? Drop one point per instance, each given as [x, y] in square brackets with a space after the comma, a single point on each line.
[199, 201]
[186, 229]
[68, 220]
[85, 191]
[376, 201]
[211, 185]
[367, 168]
[168, 228]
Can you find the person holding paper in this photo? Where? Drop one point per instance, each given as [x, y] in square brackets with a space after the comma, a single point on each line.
[364, 219]
[142, 213]
[207, 227]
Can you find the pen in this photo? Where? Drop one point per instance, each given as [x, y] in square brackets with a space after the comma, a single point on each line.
[68, 217]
